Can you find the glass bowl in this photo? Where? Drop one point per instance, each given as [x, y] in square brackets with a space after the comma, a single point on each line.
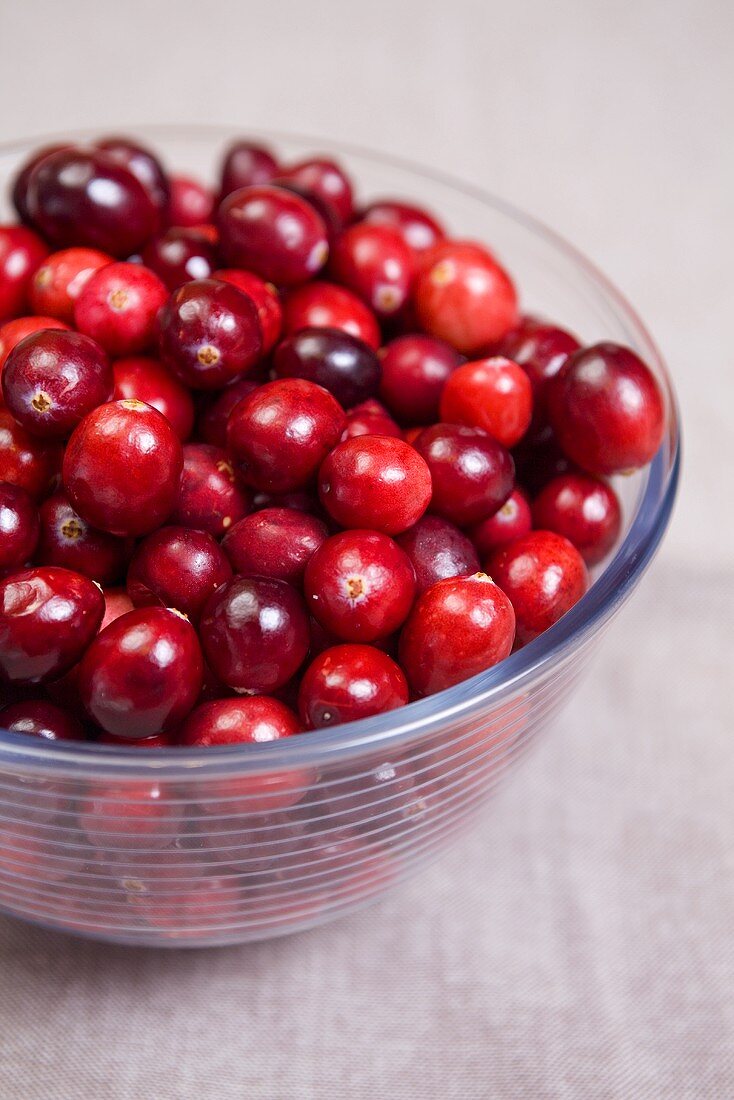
[235, 844]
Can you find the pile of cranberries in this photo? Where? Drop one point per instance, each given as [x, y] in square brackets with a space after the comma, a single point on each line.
[273, 460]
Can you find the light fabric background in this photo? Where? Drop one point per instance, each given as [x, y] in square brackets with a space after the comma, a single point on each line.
[579, 943]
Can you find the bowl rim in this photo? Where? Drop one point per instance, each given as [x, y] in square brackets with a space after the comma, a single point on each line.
[416, 720]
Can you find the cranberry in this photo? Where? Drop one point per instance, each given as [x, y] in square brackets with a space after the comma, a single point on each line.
[360, 585]
[462, 295]
[190, 204]
[325, 181]
[415, 370]
[255, 634]
[48, 617]
[245, 164]
[343, 364]
[68, 541]
[418, 228]
[281, 432]
[544, 576]
[118, 307]
[326, 305]
[493, 394]
[129, 815]
[349, 682]
[274, 233]
[31, 463]
[251, 720]
[12, 332]
[541, 350]
[179, 255]
[142, 379]
[583, 509]
[511, 521]
[116, 603]
[472, 474]
[142, 674]
[266, 300]
[84, 197]
[177, 567]
[375, 262]
[375, 482]
[607, 410]
[122, 468]
[144, 165]
[38, 718]
[20, 183]
[21, 253]
[60, 279]
[19, 526]
[211, 424]
[211, 497]
[458, 627]
[276, 542]
[364, 419]
[437, 549]
[209, 333]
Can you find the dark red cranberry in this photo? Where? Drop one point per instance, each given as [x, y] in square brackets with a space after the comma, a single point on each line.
[12, 332]
[324, 180]
[472, 474]
[180, 255]
[360, 585]
[142, 674]
[438, 549]
[253, 720]
[209, 334]
[544, 575]
[255, 634]
[583, 509]
[375, 262]
[511, 521]
[21, 254]
[281, 432]
[38, 718]
[415, 370]
[67, 540]
[493, 394]
[118, 307]
[541, 350]
[130, 815]
[245, 164]
[190, 203]
[462, 295]
[20, 183]
[122, 468]
[343, 364]
[60, 279]
[275, 542]
[325, 305]
[211, 424]
[19, 526]
[349, 682]
[418, 228]
[177, 567]
[84, 197]
[25, 460]
[116, 603]
[366, 419]
[458, 627]
[48, 617]
[375, 482]
[144, 165]
[142, 379]
[211, 497]
[607, 410]
[266, 300]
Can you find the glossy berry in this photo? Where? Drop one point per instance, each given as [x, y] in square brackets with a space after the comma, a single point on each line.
[67, 540]
[255, 634]
[245, 164]
[21, 253]
[511, 521]
[211, 424]
[360, 585]
[375, 262]
[122, 468]
[211, 496]
[37, 718]
[541, 350]
[275, 542]
[418, 228]
[343, 364]
[265, 297]
[463, 296]
[281, 433]
[180, 255]
[190, 203]
[116, 603]
[118, 307]
[25, 460]
[142, 674]
[493, 394]
[141, 378]
[349, 682]
[544, 575]
[375, 482]
[583, 509]
[60, 279]
[254, 720]
[415, 370]
[177, 567]
[472, 474]
[607, 410]
[12, 332]
[370, 418]
[144, 165]
[323, 180]
[48, 617]
[20, 183]
[320, 304]
[209, 334]
[458, 627]
[438, 549]
[19, 527]
[52, 379]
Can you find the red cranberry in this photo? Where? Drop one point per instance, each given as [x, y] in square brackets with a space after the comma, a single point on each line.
[19, 526]
[245, 164]
[360, 585]
[458, 627]
[253, 720]
[281, 433]
[177, 567]
[607, 410]
[212, 497]
[266, 300]
[274, 233]
[583, 509]
[544, 575]
[31, 463]
[472, 474]
[343, 364]
[211, 424]
[60, 279]
[190, 204]
[142, 674]
[493, 394]
[541, 350]
[375, 262]
[365, 420]
[48, 617]
[142, 379]
[415, 370]
[38, 718]
[418, 228]
[255, 634]
[326, 181]
[375, 482]
[21, 181]
[129, 815]
[437, 549]
[66, 540]
[144, 165]
[122, 468]
[118, 307]
[12, 332]
[116, 603]
[276, 542]
[326, 305]
[21, 253]
[349, 682]
[179, 255]
[511, 521]
[209, 333]
[462, 295]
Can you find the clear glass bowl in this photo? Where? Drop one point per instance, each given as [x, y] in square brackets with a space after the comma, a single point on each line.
[237, 844]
